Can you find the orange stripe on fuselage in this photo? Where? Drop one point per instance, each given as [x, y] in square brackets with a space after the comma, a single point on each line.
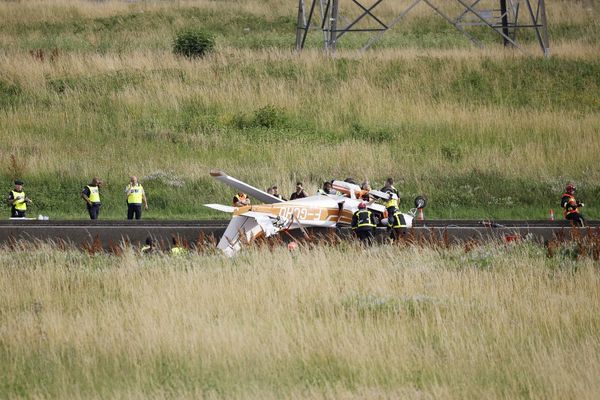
[242, 210]
[346, 217]
[289, 210]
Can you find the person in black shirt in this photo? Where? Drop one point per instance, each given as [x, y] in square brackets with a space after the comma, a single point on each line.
[299, 193]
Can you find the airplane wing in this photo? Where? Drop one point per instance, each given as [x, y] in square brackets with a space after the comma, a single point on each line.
[221, 207]
[245, 228]
[244, 187]
[379, 194]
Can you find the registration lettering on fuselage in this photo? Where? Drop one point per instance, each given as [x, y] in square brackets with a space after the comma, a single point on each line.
[301, 213]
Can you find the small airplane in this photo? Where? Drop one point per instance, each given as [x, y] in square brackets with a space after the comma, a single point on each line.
[276, 215]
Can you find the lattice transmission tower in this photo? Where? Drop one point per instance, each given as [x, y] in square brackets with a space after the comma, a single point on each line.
[336, 18]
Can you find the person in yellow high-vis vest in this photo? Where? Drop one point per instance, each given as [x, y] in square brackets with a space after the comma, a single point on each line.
[91, 195]
[177, 248]
[18, 200]
[135, 197]
[392, 202]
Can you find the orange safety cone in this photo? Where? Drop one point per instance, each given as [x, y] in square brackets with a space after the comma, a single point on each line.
[551, 215]
[421, 217]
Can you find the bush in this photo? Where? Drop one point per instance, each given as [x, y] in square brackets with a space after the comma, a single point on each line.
[269, 116]
[193, 43]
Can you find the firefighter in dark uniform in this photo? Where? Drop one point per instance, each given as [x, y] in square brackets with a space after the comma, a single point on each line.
[91, 195]
[18, 200]
[571, 206]
[398, 226]
[363, 224]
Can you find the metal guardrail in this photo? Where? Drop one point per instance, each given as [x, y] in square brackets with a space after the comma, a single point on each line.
[109, 233]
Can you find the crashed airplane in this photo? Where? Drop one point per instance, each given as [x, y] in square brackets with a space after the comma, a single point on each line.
[277, 215]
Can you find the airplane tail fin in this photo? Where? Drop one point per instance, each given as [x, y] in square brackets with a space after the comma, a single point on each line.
[244, 187]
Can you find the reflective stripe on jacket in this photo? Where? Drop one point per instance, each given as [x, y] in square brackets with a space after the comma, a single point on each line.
[398, 220]
[363, 219]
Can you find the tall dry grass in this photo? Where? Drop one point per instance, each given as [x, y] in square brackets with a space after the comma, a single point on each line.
[53, 10]
[495, 322]
[520, 141]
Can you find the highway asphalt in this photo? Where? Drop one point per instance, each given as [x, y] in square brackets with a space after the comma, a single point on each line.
[107, 233]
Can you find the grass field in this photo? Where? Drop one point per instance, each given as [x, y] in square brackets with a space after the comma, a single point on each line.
[92, 88]
[341, 322]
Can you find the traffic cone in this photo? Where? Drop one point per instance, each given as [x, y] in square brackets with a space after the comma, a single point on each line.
[551, 215]
[421, 217]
